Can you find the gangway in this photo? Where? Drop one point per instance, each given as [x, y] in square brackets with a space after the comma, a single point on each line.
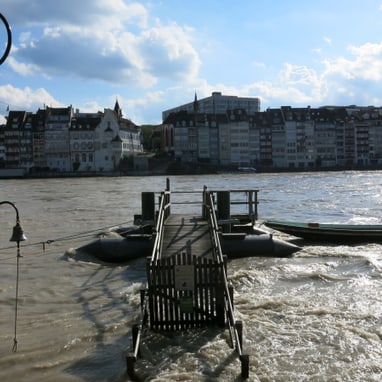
[187, 284]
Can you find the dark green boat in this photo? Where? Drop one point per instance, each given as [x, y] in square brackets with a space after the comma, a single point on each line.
[329, 232]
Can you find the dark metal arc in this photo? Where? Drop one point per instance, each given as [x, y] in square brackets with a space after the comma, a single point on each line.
[9, 39]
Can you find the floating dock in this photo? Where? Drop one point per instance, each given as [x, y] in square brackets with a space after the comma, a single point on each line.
[187, 284]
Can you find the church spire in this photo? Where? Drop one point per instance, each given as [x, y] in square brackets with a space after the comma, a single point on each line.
[117, 109]
[196, 105]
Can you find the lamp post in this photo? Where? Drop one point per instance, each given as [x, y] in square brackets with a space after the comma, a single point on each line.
[17, 236]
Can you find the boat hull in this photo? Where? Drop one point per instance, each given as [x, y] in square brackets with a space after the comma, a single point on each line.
[236, 245]
[239, 245]
[119, 249]
[329, 232]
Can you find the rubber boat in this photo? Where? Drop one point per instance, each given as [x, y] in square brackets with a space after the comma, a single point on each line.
[118, 249]
[328, 232]
[128, 244]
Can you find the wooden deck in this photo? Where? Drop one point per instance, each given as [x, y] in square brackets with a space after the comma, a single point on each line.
[186, 234]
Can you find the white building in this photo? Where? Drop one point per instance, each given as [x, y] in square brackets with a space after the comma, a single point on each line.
[82, 137]
[217, 104]
[115, 139]
[96, 141]
[99, 141]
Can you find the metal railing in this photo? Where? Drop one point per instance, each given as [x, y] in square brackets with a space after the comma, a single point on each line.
[163, 214]
[131, 358]
[242, 202]
[235, 327]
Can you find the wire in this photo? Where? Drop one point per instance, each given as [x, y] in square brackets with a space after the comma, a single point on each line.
[79, 235]
[65, 238]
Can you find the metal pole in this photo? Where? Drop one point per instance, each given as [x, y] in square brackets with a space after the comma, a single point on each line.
[17, 236]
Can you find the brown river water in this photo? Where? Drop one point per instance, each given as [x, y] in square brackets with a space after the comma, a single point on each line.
[314, 317]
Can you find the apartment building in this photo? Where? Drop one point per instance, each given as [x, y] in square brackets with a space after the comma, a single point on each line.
[17, 139]
[64, 140]
[38, 131]
[82, 133]
[285, 137]
[56, 134]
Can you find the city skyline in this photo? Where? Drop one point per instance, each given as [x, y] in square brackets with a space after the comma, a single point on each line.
[152, 56]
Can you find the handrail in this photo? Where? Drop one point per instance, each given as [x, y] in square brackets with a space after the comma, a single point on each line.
[137, 333]
[251, 200]
[163, 213]
[232, 323]
[144, 302]
[213, 222]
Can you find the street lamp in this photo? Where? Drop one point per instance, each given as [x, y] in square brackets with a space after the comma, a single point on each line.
[17, 236]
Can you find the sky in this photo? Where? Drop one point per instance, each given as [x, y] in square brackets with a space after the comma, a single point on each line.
[155, 55]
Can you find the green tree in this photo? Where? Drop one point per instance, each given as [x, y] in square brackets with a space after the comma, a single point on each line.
[147, 132]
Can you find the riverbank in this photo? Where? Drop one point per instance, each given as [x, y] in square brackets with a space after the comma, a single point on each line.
[174, 168]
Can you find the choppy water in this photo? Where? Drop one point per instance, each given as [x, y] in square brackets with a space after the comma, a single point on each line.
[314, 317]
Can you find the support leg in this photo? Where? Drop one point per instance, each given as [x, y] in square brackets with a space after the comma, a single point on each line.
[244, 359]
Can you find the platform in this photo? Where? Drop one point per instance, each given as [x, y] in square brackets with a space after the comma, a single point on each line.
[186, 234]
[187, 284]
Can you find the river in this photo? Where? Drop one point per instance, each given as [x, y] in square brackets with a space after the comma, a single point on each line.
[314, 317]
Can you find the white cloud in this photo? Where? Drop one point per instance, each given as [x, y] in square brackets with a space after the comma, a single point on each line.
[328, 40]
[141, 110]
[365, 65]
[299, 75]
[296, 85]
[21, 68]
[104, 13]
[342, 80]
[112, 43]
[259, 64]
[26, 98]
[168, 52]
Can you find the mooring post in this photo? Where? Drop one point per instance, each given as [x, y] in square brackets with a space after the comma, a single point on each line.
[244, 359]
[250, 207]
[256, 204]
[223, 209]
[167, 200]
[130, 363]
[204, 202]
[148, 207]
